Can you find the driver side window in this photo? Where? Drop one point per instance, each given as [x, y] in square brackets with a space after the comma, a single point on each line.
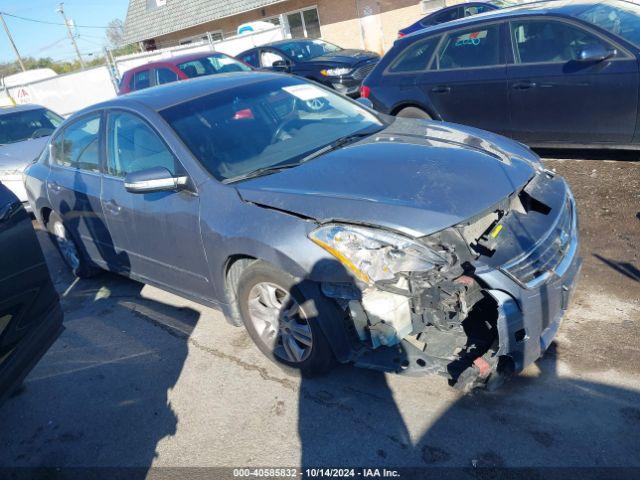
[538, 41]
[269, 57]
[132, 145]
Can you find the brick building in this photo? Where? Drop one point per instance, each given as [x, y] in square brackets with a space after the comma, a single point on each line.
[369, 24]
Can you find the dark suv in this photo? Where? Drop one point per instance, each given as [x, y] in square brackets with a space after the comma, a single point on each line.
[557, 74]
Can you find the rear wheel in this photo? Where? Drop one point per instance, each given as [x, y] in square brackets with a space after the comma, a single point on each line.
[68, 248]
[281, 321]
[413, 112]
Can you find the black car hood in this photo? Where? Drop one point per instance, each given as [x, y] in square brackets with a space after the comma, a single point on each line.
[415, 177]
[347, 57]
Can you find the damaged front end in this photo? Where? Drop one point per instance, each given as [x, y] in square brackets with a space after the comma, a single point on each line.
[472, 302]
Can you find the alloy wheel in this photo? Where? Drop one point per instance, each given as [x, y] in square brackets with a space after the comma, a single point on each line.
[280, 322]
[66, 246]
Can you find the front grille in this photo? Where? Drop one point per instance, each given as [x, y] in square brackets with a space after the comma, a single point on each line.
[361, 72]
[549, 253]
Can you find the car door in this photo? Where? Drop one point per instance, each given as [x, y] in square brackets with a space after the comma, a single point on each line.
[74, 184]
[156, 235]
[466, 82]
[30, 313]
[554, 97]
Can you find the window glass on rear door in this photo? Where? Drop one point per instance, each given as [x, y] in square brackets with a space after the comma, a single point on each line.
[77, 146]
[471, 48]
[544, 41]
[165, 75]
[415, 57]
[132, 145]
[141, 80]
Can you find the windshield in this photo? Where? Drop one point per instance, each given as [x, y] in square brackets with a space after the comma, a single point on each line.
[21, 126]
[265, 124]
[619, 18]
[302, 50]
[212, 64]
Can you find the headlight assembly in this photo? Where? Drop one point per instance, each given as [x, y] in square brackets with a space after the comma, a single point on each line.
[373, 254]
[335, 72]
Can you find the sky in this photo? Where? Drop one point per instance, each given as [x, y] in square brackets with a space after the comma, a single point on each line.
[41, 40]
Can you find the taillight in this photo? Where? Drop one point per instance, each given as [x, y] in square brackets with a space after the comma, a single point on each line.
[401, 34]
[365, 91]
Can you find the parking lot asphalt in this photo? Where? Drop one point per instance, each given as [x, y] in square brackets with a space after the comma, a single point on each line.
[143, 378]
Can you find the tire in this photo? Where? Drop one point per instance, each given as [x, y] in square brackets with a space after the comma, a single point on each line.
[69, 249]
[283, 324]
[413, 112]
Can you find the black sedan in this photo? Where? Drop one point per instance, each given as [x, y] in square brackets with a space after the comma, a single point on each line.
[30, 313]
[333, 66]
[561, 74]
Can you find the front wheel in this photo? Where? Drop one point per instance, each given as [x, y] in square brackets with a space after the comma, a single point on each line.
[283, 323]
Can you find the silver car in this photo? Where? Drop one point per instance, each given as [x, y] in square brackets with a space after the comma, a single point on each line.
[400, 245]
[24, 131]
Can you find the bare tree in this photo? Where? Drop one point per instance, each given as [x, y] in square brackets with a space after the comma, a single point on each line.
[115, 32]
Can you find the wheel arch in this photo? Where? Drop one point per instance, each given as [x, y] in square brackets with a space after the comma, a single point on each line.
[428, 110]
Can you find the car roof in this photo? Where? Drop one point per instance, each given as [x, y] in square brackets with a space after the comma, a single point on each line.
[19, 108]
[163, 96]
[174, 60]
[569, 8]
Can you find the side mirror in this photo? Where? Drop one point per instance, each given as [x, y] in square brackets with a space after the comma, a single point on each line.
[156, 179]
[365, 102]
[281, 65]
[596, 52]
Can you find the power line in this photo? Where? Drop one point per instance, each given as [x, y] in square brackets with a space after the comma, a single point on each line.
[47, 22]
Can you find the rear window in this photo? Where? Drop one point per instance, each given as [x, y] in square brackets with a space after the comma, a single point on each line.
[415, 57]
[211, 65]
[21, 126]
[472, 48]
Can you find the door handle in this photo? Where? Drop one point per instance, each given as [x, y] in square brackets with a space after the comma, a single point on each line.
[54, 186]
[441, 89]
[523, 85]
[112, 207]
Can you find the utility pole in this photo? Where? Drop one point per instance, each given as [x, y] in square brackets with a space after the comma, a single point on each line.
[13, 45]
[71, 37]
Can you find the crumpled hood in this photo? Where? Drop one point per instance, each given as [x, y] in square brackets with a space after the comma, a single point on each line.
[348, 57]
[416, 177]
[16, 156]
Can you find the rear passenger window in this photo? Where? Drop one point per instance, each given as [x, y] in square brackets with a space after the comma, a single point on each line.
[141, 80]
[447, 15]
[133, 146]
[538, 41]
[165, 75]
[78, 145]
[415, 57]
[477, 47]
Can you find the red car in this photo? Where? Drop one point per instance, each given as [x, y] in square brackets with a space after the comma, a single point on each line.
[179, 68]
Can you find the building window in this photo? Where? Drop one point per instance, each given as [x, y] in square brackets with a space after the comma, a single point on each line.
[152, 4]
[304, 23]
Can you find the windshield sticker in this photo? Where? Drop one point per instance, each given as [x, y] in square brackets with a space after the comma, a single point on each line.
[471, 38]
[305, 92]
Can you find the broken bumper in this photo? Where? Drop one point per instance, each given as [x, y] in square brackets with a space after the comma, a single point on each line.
[529, 315]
